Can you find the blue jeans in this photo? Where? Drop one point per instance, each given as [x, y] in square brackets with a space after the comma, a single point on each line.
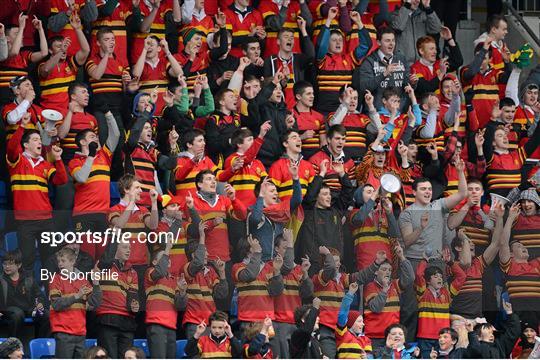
[426, 345]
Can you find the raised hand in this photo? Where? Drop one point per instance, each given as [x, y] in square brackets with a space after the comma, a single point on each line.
[57, 152]
[254, 245]
[385, 284]
[190, 203]
[446, 34]
[168, 98]
[220, 18]
[289, 237]
[22, 21]
[173, 137]
[75, 22]
[182, 284]
[402, 149]
[386, 204]
[290, 121]
[153, 195]
[277, 263]
[479, 138]
[399, 251]
[38, 25]
[228, 330]
[507, 307]
[496, 113]
[203, 226]
[220, 266]
[368, 98]
[237, 163]
[301, 22]
[332, 13]
[26, 119]
[306, 264]
[515, 210]
[165, 46]
[357, 19]
[265, 128]
[323, 250]
[380, 257]
[230, 191]
[460, 165]
[201, 328]
[432, 149]
[353, 288]
[293, 169]
[446, 254]
[323, 167]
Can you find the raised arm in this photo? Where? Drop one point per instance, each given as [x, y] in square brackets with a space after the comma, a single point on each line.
[454, 199]
[364, 43]
[343, 314]
[18, 42]
[504, 246]
[43, 47]
[82, 54]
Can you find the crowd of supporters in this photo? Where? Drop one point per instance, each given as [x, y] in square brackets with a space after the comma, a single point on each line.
[263, 138]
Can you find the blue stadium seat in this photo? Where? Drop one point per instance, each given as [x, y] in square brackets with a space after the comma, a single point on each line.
[3, 204]
[115, 194]
[2, 340]
[42, 348]
[10, 241]
[143, 344]
[180, 346]
[3, 193]
[88, 343]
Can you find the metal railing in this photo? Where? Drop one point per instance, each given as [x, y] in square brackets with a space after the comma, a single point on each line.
[526, 6]
[519, 18]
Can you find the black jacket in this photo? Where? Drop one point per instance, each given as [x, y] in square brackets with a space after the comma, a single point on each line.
[22, 295]
[454, 354]
[322, 227]
[261, 110]
[501, 348]
[303, 343]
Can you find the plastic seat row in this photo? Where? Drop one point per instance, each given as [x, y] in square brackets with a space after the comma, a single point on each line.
[45, 348]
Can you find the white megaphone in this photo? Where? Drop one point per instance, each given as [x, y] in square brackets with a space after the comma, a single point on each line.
[390, 184]
[495, 198]
[51, 118]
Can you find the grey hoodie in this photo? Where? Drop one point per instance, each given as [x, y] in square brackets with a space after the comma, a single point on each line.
[410, 25]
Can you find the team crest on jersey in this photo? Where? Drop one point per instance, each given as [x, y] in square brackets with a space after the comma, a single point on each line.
[68, 70]
[120, 68]
[306, 174]
[259, 171]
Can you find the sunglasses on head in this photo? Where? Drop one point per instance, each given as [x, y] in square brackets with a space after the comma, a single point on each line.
[17, 81]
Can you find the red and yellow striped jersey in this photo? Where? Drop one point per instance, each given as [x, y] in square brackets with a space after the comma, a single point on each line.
[71, 320]
[254, 301]
[93, 196]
